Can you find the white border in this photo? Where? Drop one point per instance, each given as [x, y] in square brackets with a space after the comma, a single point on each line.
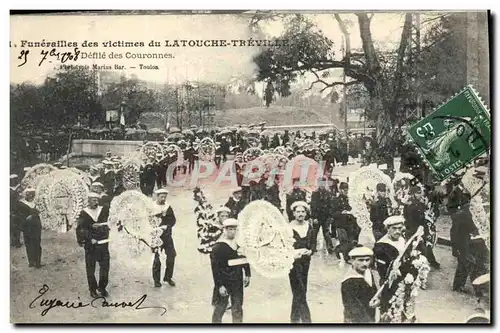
[254, 4]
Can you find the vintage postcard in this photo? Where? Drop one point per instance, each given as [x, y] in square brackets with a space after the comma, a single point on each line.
[250, 167]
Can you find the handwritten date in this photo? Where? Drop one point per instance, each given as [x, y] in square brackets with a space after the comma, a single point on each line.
[49, 56]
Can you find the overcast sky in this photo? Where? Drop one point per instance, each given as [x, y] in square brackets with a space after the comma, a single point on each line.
[206, 64]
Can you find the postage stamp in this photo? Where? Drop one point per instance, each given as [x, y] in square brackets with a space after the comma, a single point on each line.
[455, 134]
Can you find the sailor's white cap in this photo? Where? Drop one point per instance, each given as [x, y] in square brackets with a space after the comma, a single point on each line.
[29, 190]
[14, 176]
[230, 223]
[393, 220]
[161, 191]
[97, 184]
[301, 204]
[360, 252]
[223, 209]
[93, 195]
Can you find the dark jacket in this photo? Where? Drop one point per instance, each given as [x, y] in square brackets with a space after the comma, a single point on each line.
[321, 204]
[356, 296]
[169, 220]
[235, 206]
[378, 213]
[224, 274]
[414, 215]
[85, 231]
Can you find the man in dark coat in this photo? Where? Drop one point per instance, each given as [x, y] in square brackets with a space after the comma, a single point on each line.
[168, 221]
[229, 279]
[16, 220]
[321, 213]
[390, 246]
[347, 227]
[109, 178]
[379, 211]
[358, 288]
[148, 177]
[273, 193]
[414, 214]
[236, 202]
[161, 171]
[467, 247]
[297, 194]
[92, 233]
[32, 228]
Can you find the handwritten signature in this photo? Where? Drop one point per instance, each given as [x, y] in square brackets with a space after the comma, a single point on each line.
[98, 302]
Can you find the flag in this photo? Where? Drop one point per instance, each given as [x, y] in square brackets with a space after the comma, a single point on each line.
[122, 119]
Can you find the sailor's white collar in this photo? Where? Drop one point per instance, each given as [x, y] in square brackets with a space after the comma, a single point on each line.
[399, 244]
[352, 274]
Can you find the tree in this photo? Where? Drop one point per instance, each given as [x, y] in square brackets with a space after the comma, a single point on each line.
[71, 96]
[138, 98]
[309, 51]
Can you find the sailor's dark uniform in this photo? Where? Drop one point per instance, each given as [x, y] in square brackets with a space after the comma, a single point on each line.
[231, 277]
[385, 252]
[235, 206]
[85, 232]
[357, 291]
[298, 277]
[168, 246]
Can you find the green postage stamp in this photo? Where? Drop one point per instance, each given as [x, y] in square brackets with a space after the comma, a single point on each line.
[455, 134]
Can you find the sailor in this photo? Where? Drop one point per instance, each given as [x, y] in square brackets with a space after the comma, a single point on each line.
[16, 221]
[98, 188]
[230, 280]
[168, 222]
[390, 246]
[358, 288]
[298, 276]
[297, 194]
[236, 203]
[32, 228]
[92, 233]
[379, 211]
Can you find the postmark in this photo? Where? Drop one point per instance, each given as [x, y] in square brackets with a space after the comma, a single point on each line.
[455, 134]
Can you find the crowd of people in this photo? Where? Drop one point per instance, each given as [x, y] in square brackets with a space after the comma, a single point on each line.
[326, 208]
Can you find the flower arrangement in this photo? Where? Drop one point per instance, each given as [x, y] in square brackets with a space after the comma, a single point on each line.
[407, 276]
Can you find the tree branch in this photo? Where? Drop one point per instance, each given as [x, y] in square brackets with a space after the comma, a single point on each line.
[330, 85]
[372, 62]
[403, 45]
[343, 28]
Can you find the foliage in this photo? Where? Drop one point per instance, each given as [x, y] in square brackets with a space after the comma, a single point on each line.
[135, 95]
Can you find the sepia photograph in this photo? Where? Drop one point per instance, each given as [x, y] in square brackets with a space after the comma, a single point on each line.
[250, 167]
